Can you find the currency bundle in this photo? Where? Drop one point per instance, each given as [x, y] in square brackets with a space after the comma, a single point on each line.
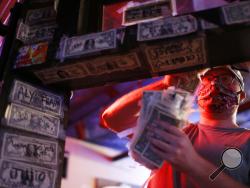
[168, 106]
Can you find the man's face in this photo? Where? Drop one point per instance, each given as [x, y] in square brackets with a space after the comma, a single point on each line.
[218, 91]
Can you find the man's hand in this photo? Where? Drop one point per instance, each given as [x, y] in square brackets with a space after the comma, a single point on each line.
[175, 146]
[138, 159]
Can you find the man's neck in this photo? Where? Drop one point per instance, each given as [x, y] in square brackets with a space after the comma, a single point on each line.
[218, 120]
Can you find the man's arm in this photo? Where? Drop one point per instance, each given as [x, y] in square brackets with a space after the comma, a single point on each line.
[122, 113]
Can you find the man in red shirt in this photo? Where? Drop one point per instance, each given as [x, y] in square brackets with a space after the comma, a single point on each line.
[194, 153]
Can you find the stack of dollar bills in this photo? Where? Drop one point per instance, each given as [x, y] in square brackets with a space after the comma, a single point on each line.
[168, 105]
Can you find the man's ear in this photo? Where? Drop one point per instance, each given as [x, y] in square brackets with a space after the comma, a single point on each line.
[242, 96]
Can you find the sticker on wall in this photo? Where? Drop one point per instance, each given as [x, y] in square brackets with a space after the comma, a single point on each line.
[31, 55]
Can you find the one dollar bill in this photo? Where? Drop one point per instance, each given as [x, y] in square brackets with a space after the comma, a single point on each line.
[32, 120]
[29, 149]
[21, 175]
[28, 95]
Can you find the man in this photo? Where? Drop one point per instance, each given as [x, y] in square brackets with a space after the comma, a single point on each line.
[194, 153]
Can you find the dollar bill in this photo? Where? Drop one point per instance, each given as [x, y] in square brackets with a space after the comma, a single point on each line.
[26, 94]
[29, 149]
[67, 72]
[34, 34]
[237, 12]
[114, 63]
[142, 145]
[167, 27]
[21, 175]
[147, 98]
[188, 81]
[80, 45]
[165, 106]
[36, 16]
[176, 54]
[32, 120]
[146, 12]
[98, 66]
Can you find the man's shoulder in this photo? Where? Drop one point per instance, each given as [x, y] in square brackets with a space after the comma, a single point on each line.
[190, 127]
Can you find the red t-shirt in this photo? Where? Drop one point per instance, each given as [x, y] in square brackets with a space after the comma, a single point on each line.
[210, 143]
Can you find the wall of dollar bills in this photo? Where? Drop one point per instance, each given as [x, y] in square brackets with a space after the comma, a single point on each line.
[44, 63]
[33, 116]
[162, 46]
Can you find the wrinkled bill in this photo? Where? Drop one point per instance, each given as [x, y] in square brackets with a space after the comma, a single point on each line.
[21, 175]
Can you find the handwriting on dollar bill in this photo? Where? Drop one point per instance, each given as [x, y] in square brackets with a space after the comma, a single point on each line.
[21, 175]
[32, 120]
[95, 67]
[176, 54]
[25, 94]
[29, 149]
